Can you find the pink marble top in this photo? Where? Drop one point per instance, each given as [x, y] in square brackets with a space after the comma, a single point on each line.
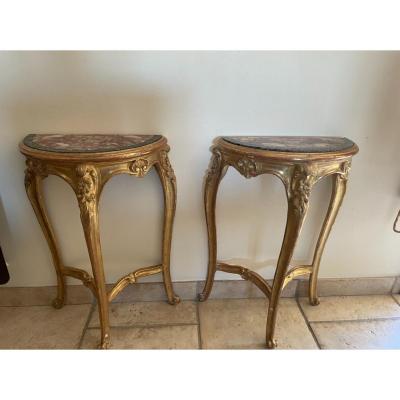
[77, 143]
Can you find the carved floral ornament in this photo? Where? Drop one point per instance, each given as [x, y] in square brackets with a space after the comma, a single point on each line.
[87, 279]
[139, 167]
[166, 165]
[247, 167]
[302, 181]
[34, 168]
[214, 166]
[345, 169]
[86, 187]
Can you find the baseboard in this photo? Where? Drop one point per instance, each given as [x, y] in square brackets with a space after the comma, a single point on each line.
[79, 294]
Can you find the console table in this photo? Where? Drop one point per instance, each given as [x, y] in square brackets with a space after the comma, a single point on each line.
[299, 162]
[86, 163]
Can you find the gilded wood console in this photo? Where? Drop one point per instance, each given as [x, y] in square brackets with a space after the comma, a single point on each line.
[86, 163]
[299, 162]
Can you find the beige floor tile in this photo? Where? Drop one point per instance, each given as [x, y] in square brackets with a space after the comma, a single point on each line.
[374, 334]
[161, 337]
[397, 298]
[149, 313]
[43, 296]
[241, 324]
[348, 286]
[42, 327]
[340, 308]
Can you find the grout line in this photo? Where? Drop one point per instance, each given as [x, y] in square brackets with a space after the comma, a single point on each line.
[159, 300]
[394, 298]
[305, 296]
[156, 325]
[45, 305]
[357, 320]
[113, 302]
[85, 327]
[211, 298]
[308, 324]
[196, 299]
[199, 327]
[130, 301]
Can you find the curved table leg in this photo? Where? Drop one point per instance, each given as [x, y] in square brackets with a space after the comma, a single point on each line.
[168, 181]
[298, 194]
[87, 192]
[33, 186]
[214, 175]
[338, 191]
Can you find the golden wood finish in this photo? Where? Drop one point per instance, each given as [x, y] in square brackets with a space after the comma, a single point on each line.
[298, 172]
[87, 174]
[246, 274]
[295, 272]
[132, 278]
[33, 186]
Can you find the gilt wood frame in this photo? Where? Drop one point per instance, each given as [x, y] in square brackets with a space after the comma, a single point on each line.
[298, 173]
[87, 173]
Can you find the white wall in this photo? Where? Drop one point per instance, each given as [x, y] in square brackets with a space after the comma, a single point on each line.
[191, 97]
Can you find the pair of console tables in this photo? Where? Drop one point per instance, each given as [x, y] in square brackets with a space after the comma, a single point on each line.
[87, 162]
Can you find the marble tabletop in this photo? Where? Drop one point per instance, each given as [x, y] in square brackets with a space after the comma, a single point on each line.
[293, 144]
[87, 143]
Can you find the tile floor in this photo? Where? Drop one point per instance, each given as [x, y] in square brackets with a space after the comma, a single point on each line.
[339, 322]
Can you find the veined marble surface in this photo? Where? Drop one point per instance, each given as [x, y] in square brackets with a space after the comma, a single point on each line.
[87, 143]
[293, 144]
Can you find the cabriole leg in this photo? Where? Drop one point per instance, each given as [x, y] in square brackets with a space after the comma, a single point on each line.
[214, 176]
[33, 186]
[298, 194]
[87, 192]
[338, 190]
[168, 181]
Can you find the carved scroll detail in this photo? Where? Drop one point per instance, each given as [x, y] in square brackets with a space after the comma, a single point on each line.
[132, 278]
[247, 274]
[345, 170]
[87, 279]
[139, 167]
[86, 188]
[247, 167]
[303, 179]
[34, 168]
[166, 165]
[214, 166]
[82, 275]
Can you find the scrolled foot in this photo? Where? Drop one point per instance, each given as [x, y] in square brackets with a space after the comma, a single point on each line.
[105, 343]
[57, 303]
[176, 299]
[314, 302]
[272, 344]
[202, 297]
